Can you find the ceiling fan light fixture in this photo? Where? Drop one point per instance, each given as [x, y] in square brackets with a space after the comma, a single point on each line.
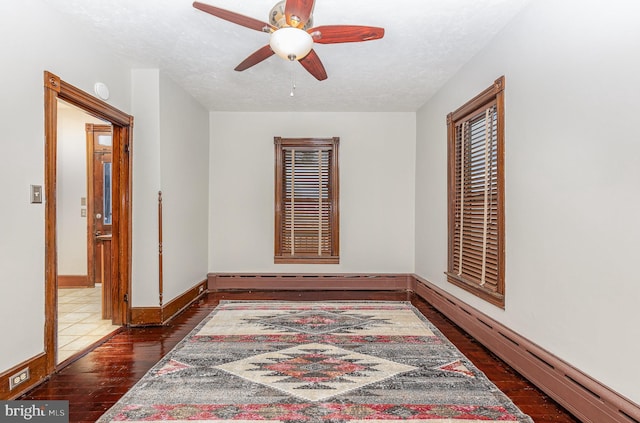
[291, 43]
[293, 34]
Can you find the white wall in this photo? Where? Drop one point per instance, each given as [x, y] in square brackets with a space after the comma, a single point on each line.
[184, 163]
[39, 39]
[146, 184]
[35, 39]
[171, 154]
[376, 159]
[572, 169]
[72, 187]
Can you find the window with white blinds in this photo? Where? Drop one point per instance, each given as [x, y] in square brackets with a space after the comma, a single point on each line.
[306, 214]
[476, 195]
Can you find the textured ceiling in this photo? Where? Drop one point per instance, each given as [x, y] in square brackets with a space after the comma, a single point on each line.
[425, 43]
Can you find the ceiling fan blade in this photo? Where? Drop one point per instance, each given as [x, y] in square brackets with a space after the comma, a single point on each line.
[300, 10]
[311, 62]
[257, 57]
[234, 17]
[331, 34]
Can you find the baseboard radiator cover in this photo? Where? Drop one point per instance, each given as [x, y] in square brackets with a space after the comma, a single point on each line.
[303, 281]
[583, 396]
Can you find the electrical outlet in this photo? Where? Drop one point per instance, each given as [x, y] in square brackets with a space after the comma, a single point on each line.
[19, 378]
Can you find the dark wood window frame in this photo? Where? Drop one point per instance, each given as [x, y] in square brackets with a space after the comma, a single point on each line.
[476, 195]
[307, 223]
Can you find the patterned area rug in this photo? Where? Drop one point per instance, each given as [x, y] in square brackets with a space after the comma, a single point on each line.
[326, 362]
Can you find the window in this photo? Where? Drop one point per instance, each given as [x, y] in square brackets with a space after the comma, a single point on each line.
[306, 203]
[475, 135]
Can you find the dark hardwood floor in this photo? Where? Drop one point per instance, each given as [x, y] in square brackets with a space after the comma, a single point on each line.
[94, 382]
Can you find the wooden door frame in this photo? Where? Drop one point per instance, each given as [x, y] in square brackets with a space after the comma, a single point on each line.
[122, 123]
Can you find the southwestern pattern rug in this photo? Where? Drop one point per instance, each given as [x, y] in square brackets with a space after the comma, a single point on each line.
[327, 362]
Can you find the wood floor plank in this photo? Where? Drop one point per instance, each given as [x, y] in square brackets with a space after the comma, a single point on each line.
[95, 381]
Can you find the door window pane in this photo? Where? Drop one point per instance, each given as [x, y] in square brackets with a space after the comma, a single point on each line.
[107, 192]
[104, 140]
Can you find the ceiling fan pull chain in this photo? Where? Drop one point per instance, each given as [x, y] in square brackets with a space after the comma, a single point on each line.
[293, 79]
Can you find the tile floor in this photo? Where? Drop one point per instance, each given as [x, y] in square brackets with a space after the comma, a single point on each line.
[80, 321]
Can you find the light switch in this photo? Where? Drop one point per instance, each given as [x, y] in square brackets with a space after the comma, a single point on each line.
[36, 194]
[83, 201]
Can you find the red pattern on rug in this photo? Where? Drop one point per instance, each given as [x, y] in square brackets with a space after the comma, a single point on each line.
[331, 362]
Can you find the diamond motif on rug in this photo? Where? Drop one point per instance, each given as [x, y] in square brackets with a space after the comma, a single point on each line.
[456, 367]
[315, 362]
[315, 372]
[172, 366]
[316, 321]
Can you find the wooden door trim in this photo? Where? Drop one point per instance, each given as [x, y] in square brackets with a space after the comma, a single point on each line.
[90, 212]
[122, 123]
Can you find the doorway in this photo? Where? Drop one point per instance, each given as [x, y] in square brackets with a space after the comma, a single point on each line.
[115, 250]
[99, 210]
[84, 151]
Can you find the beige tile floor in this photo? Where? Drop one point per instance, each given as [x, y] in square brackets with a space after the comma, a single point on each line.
[80, 321]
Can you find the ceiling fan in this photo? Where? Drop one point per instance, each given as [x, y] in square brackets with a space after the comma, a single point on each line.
[293, 34]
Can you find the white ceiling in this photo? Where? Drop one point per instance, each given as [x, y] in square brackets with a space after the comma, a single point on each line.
[425, 43]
